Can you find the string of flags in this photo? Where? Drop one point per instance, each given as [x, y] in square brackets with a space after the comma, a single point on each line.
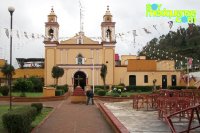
[156, 53]
[124, 36]
[118, 35]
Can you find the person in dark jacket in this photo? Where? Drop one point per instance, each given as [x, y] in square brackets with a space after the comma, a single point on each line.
[90, 95]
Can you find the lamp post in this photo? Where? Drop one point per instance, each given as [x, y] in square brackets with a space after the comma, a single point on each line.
[11, 10]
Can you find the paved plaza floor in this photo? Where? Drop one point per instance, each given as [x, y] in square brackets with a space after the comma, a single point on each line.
[141, 121]
[81, 118]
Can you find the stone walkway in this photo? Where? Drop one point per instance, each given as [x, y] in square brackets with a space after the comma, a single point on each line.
[74, 118]
[141, 121]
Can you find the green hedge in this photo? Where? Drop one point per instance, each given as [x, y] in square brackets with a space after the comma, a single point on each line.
[59, 92]
[96, 90]
[38, 106]
[101, 87]
[62, 87]
[139, 88]
[181, 87]
[101, 92]
[19, 120]
[4, 90]
[115, 94]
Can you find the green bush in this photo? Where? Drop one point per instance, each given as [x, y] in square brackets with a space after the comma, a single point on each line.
[115, 94]
[139, 88]
[96, 90]
[181, 87]
[37, 83]
[124, 95]
[62, 87]
[23, 85]
[101, 87]
[101, 92]
[38, 106]
[59, 92]
[19, 120]
[4, 90]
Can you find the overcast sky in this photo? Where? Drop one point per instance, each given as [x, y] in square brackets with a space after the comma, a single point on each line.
[129, 15]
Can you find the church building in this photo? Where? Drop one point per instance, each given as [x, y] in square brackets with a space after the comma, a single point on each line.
[82, 58]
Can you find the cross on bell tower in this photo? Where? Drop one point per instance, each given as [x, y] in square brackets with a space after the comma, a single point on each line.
[51, 27]
[108, 28]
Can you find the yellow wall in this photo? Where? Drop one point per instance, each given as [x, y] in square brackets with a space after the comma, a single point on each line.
[121, 76]
[27, 72]
[109, 62]
[65, 57]
[2, 62]
[125, 58]
[49, 63]
[141, 65]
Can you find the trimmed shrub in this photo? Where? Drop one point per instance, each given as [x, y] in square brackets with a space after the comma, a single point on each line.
[59, 92]
[139, 88]
[181, 87]
[62, 87]
[101, 87]
[38, 84]
[96, 90]
[101, 92]
[123, 95]
[115, 94]
[38, 106]
[23, 85]
[19, 120]
[4, 90]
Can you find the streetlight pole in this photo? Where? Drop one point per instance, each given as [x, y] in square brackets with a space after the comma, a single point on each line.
[93, 74]
[11, 10]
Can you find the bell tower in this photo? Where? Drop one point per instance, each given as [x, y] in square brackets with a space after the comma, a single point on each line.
[108, 42]
[51, 42]
[51, 27]
[108, 28]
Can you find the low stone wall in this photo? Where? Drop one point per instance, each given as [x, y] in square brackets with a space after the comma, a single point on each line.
[78, 99]
[49, 91]
[112, 99]
[35, 99]
[117, 126]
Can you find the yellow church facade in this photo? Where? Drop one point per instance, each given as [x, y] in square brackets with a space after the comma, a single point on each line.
[82, 58]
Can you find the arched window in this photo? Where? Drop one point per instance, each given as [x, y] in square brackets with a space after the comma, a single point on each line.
[108, 35]
[79, 59]
[51, 33]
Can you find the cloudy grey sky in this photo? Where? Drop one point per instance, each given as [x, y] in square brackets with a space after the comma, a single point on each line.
[129, 15]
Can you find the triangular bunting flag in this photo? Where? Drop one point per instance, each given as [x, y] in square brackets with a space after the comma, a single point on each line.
[7, 32]
[170, 24]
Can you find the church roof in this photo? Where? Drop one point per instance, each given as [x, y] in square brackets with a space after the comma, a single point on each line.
[75, 40]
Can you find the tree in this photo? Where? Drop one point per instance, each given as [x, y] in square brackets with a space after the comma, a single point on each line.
[23, 85]
[103, 74]
[57, 72]
[8, 71]
[37, 83]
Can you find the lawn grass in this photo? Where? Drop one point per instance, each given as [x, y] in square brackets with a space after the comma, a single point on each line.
[39, 118]
[29, 94]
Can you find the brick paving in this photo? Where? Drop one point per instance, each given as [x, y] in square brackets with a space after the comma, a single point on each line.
[74, 118]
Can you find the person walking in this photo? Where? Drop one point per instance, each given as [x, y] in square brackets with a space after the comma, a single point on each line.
[90, 96]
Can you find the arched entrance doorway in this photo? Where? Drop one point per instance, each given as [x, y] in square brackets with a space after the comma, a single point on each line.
[80, 79]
